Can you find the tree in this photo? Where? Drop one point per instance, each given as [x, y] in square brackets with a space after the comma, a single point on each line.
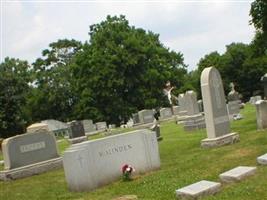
[14, 84]
[53, 94]
[122, 70]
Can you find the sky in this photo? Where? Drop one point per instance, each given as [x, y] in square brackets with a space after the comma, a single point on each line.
[194, 28]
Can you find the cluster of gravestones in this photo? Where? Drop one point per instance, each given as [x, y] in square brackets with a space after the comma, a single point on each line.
[91, 164]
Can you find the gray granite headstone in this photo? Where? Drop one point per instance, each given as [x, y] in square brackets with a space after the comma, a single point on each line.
[57, 127]
[77, 129]
[136, 118]
[233, 108]
[101, 125]
[264, 81]
[146, 116]
[182, 102]
[237, 174]
[191, 103]
[88, 126]
[261, 112]
[165, 113]
[216, 115]
[30, 148]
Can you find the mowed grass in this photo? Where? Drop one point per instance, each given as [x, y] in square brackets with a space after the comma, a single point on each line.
[183, 162]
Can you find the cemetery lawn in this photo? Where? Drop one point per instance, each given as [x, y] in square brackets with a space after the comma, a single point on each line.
[183, 162]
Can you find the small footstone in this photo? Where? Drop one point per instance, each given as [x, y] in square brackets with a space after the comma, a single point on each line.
[237, 174]
[262, 159]
[198, 190]
[127, 197]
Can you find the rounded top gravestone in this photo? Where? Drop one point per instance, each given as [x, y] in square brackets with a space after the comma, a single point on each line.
[216, 116]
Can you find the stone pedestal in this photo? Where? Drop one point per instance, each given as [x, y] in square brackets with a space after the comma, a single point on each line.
[230, 138]
[198, 190]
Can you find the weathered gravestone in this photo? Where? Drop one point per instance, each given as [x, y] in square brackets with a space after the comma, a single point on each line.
[264, 81]
[191, 105]
[136, 118]
[182, 104]
[200, 105]
[57, 127]
[37, 126]
[146, 116]
[233, 109]
[77, 133]
[101, 126]
[88, 126]
[254, 99]
[176, 110]
[216, 116]
[261, 112]
[92, 164]
[165, 113]
[29, 154]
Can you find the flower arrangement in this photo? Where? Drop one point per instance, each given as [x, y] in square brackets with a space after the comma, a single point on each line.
[126, 172]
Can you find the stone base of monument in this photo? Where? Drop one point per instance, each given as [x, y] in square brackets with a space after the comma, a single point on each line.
[31, 170]
[198, 190]
[230, 138]
[262, 159]
[237, 174]
[77, 140]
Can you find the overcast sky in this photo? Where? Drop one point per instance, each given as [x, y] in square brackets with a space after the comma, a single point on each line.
[194, 28]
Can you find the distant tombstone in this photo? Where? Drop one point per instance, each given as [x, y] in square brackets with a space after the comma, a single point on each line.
[30, 148]
[165, 113]
[146, 116]
[182, 102]
[101, 126]
[37, 126]
[95, 163]
[191, 103]
[57, 127]
[254, 99]
[88, 126]
[136, 118]
[77, 129]
[176, 110]
[216, 116]
[264, 81]
[200, 105]
[261, 111]
[233, 108]
[156, 129]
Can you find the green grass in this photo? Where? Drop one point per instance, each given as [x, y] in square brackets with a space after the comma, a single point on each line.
[182, 162]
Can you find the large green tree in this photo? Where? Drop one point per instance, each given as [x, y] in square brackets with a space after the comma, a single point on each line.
[14, 83]
[123, 69]
[53, 95]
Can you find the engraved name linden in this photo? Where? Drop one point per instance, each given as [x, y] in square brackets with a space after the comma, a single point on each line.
[117, 149]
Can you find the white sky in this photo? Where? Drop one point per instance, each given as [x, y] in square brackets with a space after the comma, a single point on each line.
[194, 28]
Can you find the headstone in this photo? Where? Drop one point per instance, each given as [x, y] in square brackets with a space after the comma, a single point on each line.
[77, 129]
[233, 109]
[95, 163]
[176, 110]
[262, 160]
[261, 112]
[216, 116]
[195, 122]
[88, 126]
[37, 126]
[156, 129]
[200, 105]
[237, 174]
[165, 113]
[182, 103]
[198, 190]
[30, 148]
[146, 116]
[57, 127]
[264, 81]
[136, 118]
[254, 99]
[101, 126]
[191, 103]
